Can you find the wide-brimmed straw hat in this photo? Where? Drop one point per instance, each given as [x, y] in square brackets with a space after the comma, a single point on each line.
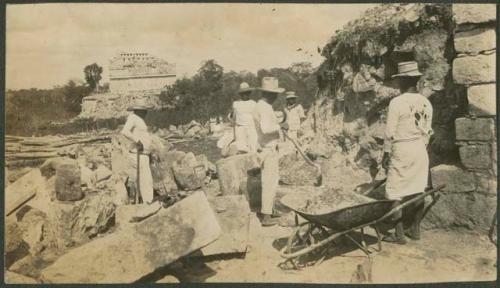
[139, 104]
[270, 84]
[407, 69]
[244, 88]
[290, 95]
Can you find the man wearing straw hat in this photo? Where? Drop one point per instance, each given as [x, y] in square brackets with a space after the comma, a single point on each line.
[242, 117]
[136, 130]
[408, 130]
[268, 135]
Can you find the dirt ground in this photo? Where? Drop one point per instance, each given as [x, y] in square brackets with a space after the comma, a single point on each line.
[441, 256]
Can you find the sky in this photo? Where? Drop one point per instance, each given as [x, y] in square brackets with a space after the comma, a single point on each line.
[49, 44]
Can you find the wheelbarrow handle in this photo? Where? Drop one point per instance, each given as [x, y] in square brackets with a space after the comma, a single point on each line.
[411, 201]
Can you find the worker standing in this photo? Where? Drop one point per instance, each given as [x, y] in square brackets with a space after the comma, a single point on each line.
[136, 130]
[294, 115]
[244, 129]
[408, 130]
[268, 132]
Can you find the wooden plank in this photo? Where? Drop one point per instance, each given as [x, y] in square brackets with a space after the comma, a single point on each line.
[136, 250]
[233, 214]
[32, 155]
[23, 190]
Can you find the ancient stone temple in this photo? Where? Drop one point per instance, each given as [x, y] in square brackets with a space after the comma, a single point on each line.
[139, 72]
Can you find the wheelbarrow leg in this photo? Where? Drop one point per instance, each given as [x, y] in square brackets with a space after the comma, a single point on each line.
[379, 238]
[362, 247]
[363, 242]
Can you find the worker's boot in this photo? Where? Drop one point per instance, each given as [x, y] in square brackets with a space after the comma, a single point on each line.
[414, 231]
[268, 220]
[399, 236]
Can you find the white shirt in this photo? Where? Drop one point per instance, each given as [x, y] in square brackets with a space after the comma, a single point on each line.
[243, 112]
[266, 124]
[409, 117]
[136, 129]
[294, 116]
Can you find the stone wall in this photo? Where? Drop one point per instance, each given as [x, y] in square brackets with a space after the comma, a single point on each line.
[471, 196]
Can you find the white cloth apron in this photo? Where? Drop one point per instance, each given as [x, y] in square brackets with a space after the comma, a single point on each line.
[408, 169]
[246, 138]
[146, 178]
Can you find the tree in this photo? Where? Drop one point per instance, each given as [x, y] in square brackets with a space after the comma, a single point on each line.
[209, 85]
[93, 75]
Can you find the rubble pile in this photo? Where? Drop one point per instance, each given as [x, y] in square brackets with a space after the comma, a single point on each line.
[191, 130]
[72, 197]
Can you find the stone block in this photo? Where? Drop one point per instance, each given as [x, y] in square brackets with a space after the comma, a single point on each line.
[475, 41]
[468, 210]
[68, 182]
[486, 184]
[476, 156]
[233, 215]
[475, 69]
[474, 13]
[24, 189]
[137, 250]
[479, 129]
[232, 172]
[456, 179]
[482, 100]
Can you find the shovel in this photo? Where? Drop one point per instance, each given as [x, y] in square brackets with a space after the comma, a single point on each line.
[319, 179]
[138, 185]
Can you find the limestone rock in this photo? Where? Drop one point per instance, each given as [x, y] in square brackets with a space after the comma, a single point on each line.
[486, 184]
[475, 69]
[456, 179]
[469, 210]
[15, 247]
[24, 189]
[475, 41]
[137, 250]
[482, 100]
[102, 173]
[68, 182]
[168, 279]
[14, 278]
[233, 215]
[188, 173]
[474, 13]
[233, 171]
[476, 156]
[480, 129]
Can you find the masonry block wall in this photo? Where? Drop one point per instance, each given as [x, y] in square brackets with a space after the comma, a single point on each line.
[471, 196]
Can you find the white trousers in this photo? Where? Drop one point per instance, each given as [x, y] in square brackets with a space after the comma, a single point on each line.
[270, 178]
[146, 178]
[246, 138]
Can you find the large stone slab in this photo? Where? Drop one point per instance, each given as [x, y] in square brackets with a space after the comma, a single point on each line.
[475, 41]
[479, 129]
[475, 69]
[137, 250]
[233, 214]
[23, 190]
[476, 156]
[482, 100]
[474, 13]
[455, 178]
[233, 171]
[468, 210]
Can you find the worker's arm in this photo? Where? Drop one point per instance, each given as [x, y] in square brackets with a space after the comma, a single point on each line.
[391, 125]
[428, 127]
[302, 115]
[128, 128]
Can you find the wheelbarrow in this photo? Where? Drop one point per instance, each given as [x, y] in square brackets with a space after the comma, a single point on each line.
[320, 230]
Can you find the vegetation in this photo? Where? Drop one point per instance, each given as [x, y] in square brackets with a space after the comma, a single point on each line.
[93, 75]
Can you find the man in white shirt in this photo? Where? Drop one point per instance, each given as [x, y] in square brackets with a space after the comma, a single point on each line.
[294, 115]
[242, 117]
[268, 135]
[136, 130]
[406, 160]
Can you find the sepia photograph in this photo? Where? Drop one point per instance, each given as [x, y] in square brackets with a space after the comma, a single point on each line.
[250, 143]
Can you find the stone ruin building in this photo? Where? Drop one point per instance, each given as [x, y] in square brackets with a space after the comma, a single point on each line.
[139, 72]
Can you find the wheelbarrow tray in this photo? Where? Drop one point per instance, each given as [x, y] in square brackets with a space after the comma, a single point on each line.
[341, 219]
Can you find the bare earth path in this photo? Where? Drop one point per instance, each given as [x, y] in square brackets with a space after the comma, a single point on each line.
[441, 256]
